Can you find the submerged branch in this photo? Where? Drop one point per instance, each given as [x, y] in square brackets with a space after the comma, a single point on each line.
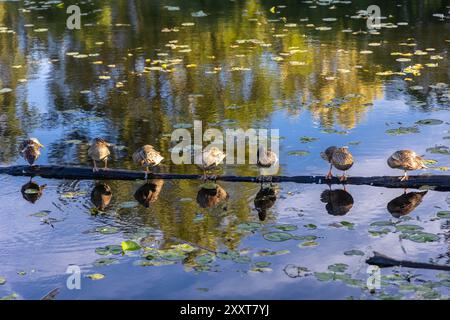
[385, 262]
[435, 182]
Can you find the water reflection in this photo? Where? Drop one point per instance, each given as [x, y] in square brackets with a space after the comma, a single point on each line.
[32, 191]
[264, 200]
[339, 202]
[211, 195]
[101, 196]
[405, 204]
[149, 192]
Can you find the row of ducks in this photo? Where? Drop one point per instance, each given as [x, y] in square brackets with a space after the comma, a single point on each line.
[147, 156]
[338, 202]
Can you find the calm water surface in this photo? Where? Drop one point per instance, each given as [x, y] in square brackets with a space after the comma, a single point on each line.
[139, 69]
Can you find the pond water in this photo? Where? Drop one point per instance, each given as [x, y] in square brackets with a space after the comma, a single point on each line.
[136, 70]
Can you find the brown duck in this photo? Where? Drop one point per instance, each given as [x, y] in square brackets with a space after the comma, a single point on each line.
[405, 204]
[209, 159]
[101, 196]
[406, 160]
[99, 151]
[149, 192]
[340, 158]
[146, 157]
[30, 150]
[266, 159]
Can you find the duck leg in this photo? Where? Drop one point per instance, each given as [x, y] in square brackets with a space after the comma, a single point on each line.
[146, 173]
[329, 174]
[344, 177]
[94, 169]
[405, 177]
[106, 164]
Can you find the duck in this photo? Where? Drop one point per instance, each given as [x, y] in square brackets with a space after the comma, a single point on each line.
[405, 204]
[101, 196]
[339, 202]
[266, 159]
[340, 158]
[99, 151]
[406, 160]
[264, 200]
[149, 192]
[211, 195]
[30, 150]
[209, 159]
[146, 157]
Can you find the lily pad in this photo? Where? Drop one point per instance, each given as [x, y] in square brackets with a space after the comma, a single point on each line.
[408, 228]
[429, 122]
[287, 227]
[2, 280]
[204, 259]
[309, 244]
[277, 236]
[402, 131]
[107, 230]
[382, 224]
[96, 276]
[130, 246]
[439, 150]
[249, 226]
[268, 253]
[173, 255]
[299, 153]
[262, 264]
[354, 253]
[421, 237]
[105, 262]
[348, 225]
[443, 214]
[338, 267]
[324, 276]
[308, 139]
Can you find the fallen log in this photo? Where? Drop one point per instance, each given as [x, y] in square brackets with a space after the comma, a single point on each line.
[435, 182]
[383, 261]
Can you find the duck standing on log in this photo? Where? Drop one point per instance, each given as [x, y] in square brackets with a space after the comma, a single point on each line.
[266, 159]
[209, 159]
[99, 151]
[30, 150]
[406, 160]
[147, 157]
[340, 158]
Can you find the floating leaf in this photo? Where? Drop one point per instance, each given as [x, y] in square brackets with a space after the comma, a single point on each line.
[277, 236]
[430, 122]
[105, 262]
[262, 264]
[2, 280]
[443, 214]
[130, 246]
[95, 276]
[382, 224]
[107, 230]
[268, 253]
[310, 226]
[172, 255]
[249, 226]
[354, 253]
[421, 237]
[308, 139]
[204, 259]
[308, 244]
[402, 130]
[439, 150]
[338, 267]
[408, 227]
[300, 153]
[348, 225]
[287, 227]
[324, 276]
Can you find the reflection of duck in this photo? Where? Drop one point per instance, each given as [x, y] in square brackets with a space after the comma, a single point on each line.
[147, 156]
[32, 192]
[406, 160]
[209, 159]
[405, 204]
[30, 150]
[211, 195]
[149, 192]
[264, 200]
[340, 158]
[101, 196]
[339, 202]
[99, 151]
